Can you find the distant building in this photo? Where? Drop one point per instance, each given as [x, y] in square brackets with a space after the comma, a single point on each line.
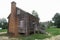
[20, 21]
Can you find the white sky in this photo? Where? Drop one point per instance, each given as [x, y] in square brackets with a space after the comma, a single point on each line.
[46, 9]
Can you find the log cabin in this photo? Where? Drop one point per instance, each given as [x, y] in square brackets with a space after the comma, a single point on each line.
[20, 21]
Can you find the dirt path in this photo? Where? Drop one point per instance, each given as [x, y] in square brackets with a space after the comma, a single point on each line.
[53, 38]
[3, 32]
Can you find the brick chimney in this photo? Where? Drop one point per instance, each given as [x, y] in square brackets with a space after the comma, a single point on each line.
[13, 8]
[13, 21]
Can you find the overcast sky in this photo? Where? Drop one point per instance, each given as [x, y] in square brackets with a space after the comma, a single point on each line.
[46, 9]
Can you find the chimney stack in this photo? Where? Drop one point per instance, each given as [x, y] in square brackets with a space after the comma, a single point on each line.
[13, 7]
[13, 21]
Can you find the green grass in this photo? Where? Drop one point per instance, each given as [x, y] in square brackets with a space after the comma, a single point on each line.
[53, 31]
[3, 30]
[30, 37]
[34, 36]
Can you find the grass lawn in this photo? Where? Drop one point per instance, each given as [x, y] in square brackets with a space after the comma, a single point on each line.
[3, 30]
[34, 36]
[30, 37]
[54, 31]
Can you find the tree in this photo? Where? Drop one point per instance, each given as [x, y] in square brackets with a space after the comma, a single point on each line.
[3, 23]
[4, 26]
[34, 13]
[3, 20]
[56, 20]
[50, 23]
